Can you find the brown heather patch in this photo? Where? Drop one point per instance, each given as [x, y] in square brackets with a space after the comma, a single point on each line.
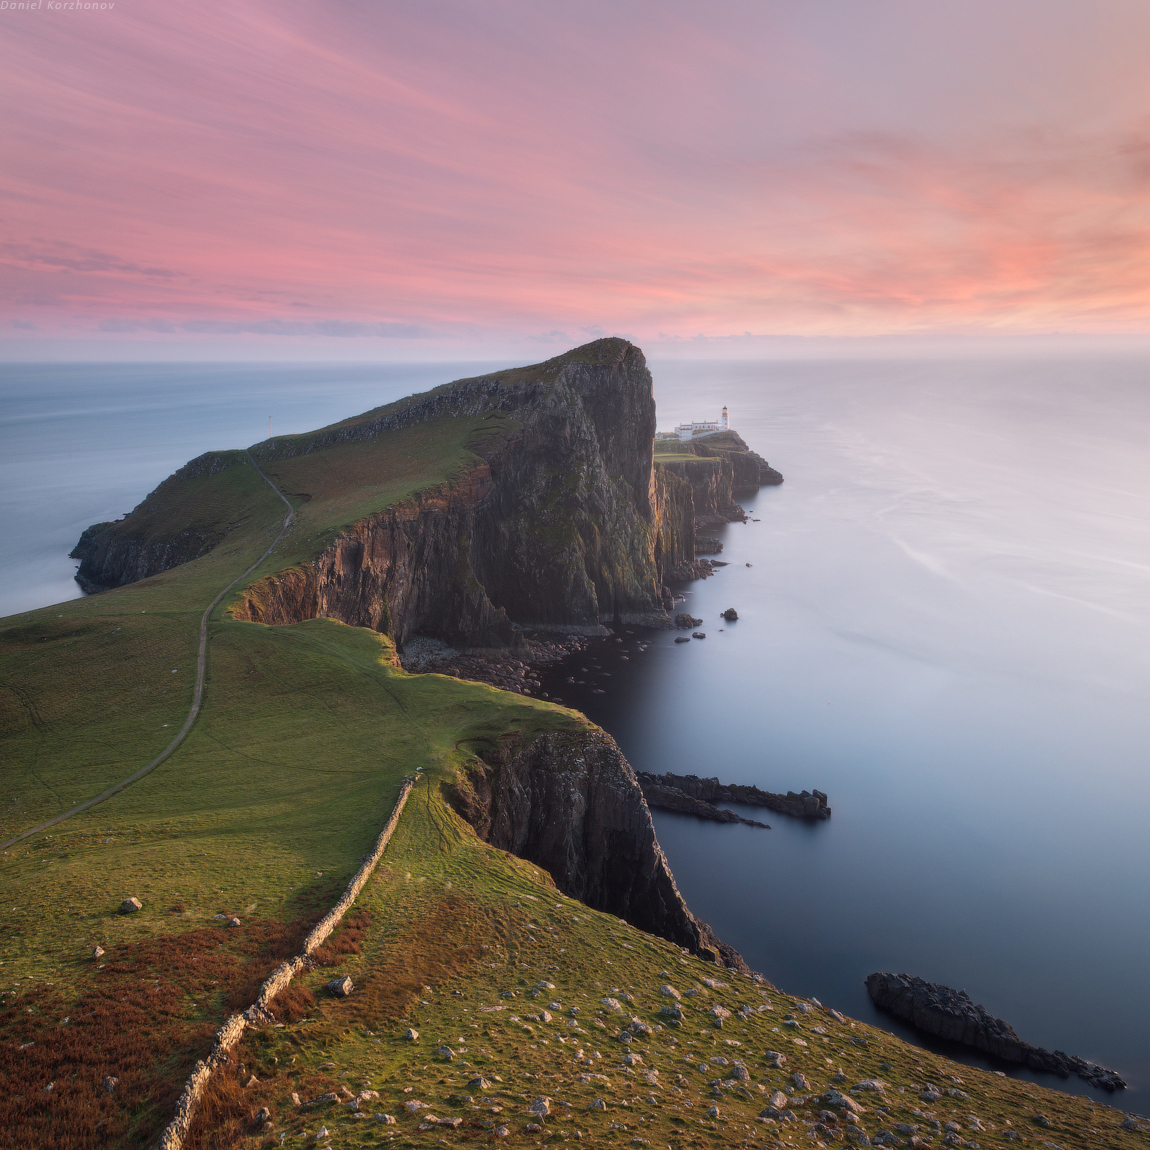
[347, 938]
[134, 1019]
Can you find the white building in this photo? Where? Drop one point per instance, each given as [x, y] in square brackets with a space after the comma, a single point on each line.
[705, 427]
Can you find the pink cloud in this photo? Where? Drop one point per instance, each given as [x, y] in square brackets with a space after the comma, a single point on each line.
[508, 167]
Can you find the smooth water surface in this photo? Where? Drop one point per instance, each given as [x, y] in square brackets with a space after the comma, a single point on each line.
[944, 625]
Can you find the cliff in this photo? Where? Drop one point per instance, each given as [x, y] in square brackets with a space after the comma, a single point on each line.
[571, 804]
[561, 524]
[171, 526]
[718, 467]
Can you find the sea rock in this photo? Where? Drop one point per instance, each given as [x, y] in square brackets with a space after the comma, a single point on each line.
[682, 639]
[341, 987]
[730, 614]
[951, 1014]
[698, 634]
[131, 905]
[689, 794]
[685, 622]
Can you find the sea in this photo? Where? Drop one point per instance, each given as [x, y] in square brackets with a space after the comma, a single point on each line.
[943, 623]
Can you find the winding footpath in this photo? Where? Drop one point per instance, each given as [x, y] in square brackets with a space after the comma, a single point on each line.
[197, 697]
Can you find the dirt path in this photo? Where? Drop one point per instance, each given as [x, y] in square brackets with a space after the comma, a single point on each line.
[197, 697]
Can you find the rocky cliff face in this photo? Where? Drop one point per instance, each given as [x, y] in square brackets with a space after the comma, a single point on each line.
[167, 529]
[565, 524]
[570, 803]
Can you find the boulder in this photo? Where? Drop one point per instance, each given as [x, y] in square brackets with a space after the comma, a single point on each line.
[682, 639]
[98, 953]
[131, 905]
[342, 987]
[686, 622]
[698, 634]
[730, 614]
[411, 1034]
[446, 1052]
[541, 1107]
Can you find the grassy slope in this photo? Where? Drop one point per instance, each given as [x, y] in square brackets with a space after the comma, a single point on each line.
[264, 812]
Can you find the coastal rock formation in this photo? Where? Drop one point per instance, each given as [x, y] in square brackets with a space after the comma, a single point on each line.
[950, 1014]
[672, 799]
[805, 805]
[168, 528]
[570, 803]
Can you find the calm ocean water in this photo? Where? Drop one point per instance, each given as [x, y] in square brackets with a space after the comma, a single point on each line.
[944, 624]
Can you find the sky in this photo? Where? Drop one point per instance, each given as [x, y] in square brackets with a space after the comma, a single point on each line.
[375, 179]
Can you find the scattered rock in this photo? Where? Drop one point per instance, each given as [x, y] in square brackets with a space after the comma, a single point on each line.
[1041, 1120]
[713, 1112]
[446, 1052]
[131, 905]
[342, 986]
[800, 1081]
[541, 1107]
[233, 921]
[252, 1081]
[835, 1098]
[598, 1104]
[321, 1133]
[110, 1084]
[479, 1083]
[98, 953]
[411, 1034]
[263, 1114]
[873, 1084]
[386, 1119]
[668, 991]
[413, 1106]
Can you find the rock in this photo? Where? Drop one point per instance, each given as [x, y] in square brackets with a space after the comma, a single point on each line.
[445, 1052]
[131, 905]
[533, 1128]
[1039, 1120]
[713, 1112]
[501, 1131]
[730, 614]
[414, 1106]
[1132, 1123]
[367, 1095]
[598, 1104]
[295, 1099]
[411, 1034]
[630, 1059]
[612, 1004]
[321, 1133]
[110, 1083]
[775, 1058]
[668, 991]
[800, 1081]
[779, 1100]
[541, 1107]
[874, 1084]
[341, 987]
[951, 1014]
[263, 1114]
[698, 634]
[98, 953]
[233, 921]
[252, 1081]
[686, 622]
[479, 1083]
[835, 1098]
[738, 1073]
[386, 1119]
[674, 1010]
[690, 794]
[682, 639]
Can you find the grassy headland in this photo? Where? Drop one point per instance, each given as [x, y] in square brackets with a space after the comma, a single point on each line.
[265, 811]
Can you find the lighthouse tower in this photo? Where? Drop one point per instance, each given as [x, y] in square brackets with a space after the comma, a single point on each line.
[724, 421]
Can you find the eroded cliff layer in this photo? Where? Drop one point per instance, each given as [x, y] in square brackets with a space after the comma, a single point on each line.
[571, 804]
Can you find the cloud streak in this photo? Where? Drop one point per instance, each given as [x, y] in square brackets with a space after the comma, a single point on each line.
[407, 173]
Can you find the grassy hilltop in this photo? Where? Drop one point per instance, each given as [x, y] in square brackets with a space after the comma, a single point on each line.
[265, 811]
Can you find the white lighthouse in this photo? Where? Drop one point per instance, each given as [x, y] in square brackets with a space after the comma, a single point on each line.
[723, 421]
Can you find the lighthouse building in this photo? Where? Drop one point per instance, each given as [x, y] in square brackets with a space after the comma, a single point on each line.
[703, 427]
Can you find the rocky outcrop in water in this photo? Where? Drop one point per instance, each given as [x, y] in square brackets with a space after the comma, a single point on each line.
[950, 1014]
[672, 799]
[570, 804]
[805, 805]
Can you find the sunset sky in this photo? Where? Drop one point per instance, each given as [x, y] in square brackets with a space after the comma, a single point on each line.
[370, 178]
